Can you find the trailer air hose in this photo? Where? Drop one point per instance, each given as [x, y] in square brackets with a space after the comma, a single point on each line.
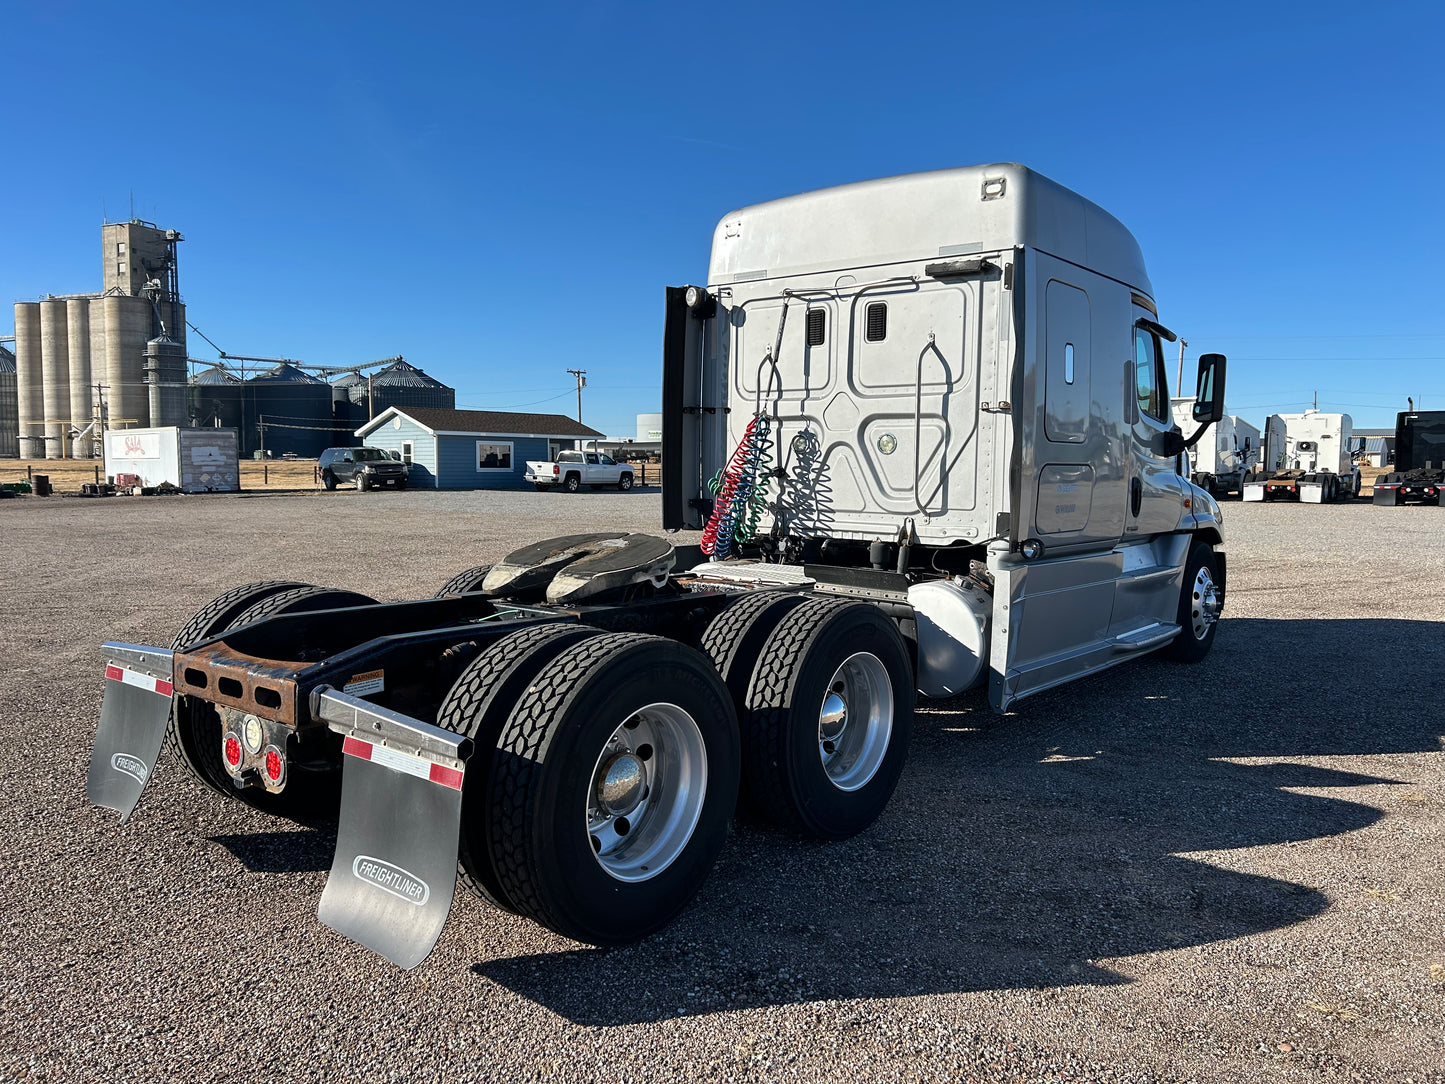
[740, 491]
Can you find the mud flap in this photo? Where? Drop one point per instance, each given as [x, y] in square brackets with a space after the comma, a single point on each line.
[395, 869]
[133, 718]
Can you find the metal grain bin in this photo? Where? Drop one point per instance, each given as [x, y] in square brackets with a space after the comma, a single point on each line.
[287, 410]
[9, 407]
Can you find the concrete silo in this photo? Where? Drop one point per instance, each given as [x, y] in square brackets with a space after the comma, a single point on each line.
[127, 328]
[101, 403]
[55, 376]
[29, 395]
[82, 395]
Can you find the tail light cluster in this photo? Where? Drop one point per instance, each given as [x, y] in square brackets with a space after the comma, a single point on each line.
[253, 752]
[556, 470]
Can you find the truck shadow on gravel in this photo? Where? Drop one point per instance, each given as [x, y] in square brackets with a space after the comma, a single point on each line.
[1022, 851]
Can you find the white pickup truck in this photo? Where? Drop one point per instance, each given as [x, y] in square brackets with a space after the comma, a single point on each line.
[573, 470]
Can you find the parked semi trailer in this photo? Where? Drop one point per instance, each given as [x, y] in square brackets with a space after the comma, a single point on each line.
[1218, 465]
[1419, 473]
[1307, 457]
[923, 427]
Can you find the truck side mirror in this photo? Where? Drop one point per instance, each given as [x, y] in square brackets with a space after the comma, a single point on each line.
[1209, 396]
[1168, 444]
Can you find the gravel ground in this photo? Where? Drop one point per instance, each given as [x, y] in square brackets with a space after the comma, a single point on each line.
[1229, 872]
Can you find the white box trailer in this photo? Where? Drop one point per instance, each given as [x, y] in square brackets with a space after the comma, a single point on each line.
[1218, 465]
[194, 460]
[1307, 457]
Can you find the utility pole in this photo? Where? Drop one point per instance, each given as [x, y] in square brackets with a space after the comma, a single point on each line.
[1179, 380]
[581, 375]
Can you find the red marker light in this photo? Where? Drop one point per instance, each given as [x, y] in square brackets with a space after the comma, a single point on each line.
[233, 752]
[273, 765]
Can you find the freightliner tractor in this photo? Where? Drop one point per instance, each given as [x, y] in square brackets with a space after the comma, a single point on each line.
[1419, 473]
[923, 428]
[1307, 457]
[1218, 465]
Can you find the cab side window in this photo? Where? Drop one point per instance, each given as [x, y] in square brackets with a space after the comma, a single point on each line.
[1149, 386]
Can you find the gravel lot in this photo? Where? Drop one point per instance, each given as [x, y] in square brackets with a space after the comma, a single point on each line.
[1229, 872]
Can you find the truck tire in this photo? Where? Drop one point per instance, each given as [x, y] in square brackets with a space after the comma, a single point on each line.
[625, 482]
[829, 717]
[1196, 635]
[302, 599]
[194, 730]
[464, 582]
[572, 483]
[194, 736]
[612, 787]
[328, 480]
[734, 639]
[477, 706]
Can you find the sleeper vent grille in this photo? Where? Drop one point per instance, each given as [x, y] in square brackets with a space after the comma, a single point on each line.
[877, 322]
[816, 318]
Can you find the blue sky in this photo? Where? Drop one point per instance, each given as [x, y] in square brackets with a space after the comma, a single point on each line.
[501, 194]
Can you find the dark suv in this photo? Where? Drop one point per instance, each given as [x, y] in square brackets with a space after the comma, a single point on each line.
[365, 468]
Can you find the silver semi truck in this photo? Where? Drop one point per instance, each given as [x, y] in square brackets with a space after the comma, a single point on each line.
[917, 438]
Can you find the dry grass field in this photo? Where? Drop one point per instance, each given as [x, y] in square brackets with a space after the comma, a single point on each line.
[68, 475]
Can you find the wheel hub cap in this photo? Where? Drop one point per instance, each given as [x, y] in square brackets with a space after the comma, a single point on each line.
[833, 718]
[622, 785]
[1207, 604]
[855, 721]
[647, 793]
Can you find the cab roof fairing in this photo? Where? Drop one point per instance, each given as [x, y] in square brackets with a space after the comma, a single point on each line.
[922, 216]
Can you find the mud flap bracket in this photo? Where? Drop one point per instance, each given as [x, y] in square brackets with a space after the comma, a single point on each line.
[395, 868]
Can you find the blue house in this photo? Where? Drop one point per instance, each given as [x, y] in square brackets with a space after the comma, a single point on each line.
[470, 449]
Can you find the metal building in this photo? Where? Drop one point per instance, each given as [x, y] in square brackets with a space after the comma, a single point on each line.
[9, 407]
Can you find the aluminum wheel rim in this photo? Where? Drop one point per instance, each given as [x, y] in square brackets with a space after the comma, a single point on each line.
[1205, 604]
[855, 721]
[647, 792]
